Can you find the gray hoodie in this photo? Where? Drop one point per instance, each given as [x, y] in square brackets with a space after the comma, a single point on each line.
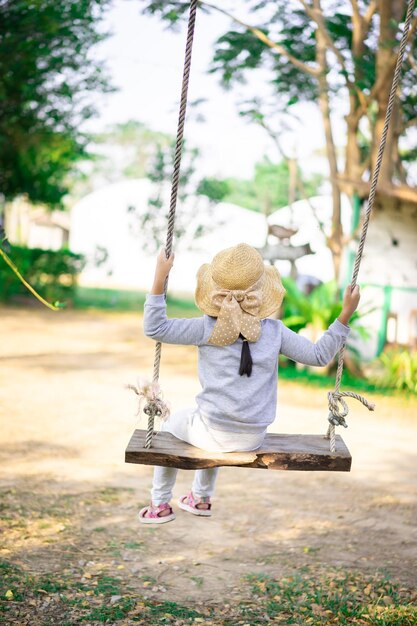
[228, 401]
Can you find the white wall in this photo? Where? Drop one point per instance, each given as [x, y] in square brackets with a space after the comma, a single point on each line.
[101, 219]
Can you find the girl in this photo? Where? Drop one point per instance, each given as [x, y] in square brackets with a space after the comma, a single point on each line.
[238, 400]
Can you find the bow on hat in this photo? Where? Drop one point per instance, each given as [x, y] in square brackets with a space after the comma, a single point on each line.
[238, 314]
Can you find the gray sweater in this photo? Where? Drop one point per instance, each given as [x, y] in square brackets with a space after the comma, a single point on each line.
[227, 400]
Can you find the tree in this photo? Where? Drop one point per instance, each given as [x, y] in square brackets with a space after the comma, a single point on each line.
[121, 151]
[139, 143]
[269, 189]
[46, 74]
[325, 51]
[190, 223]
[214, 189]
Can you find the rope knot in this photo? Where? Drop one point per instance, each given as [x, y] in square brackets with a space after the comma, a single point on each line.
[152, 410]
[338, 408]
[152, 394]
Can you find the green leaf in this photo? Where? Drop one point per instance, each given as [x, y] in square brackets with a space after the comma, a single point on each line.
[48, 76]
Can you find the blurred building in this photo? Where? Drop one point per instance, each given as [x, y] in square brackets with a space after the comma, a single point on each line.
[388, 272]
[103, 228]
[36, 226]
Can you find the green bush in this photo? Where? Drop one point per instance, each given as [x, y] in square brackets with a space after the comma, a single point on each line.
[317, 309]
[53, 273]
[397, 369]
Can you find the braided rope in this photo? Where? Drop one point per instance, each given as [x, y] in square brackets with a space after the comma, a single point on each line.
[151, 409]
[336, 415]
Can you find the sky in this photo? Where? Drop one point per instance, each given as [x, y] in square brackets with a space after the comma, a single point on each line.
[145, 64]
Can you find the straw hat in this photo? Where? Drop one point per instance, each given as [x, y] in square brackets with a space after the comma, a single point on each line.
[239, 290]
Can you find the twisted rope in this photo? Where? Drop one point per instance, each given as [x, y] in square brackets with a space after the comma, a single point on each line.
[151, 408]
[155, 405]
[337, 415]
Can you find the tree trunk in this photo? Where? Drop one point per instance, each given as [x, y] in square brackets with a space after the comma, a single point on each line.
[353, 165]
[293, 271]
[336, 238]
[292, 189]
[398, 171]
[390, 13]
[266, 210]
[353, 169]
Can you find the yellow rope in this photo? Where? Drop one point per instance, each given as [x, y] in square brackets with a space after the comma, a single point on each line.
[54, 307]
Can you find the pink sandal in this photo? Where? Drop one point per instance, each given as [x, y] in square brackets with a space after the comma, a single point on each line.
[152, 514]
[191, 505]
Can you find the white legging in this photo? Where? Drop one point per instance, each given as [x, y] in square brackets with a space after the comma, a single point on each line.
[164, 480]
[188, 425]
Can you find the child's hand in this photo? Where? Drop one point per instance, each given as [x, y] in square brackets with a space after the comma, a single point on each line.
[163, 268]
[350, 303]
[163, 265]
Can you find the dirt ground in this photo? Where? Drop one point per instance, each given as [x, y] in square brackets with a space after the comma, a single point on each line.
[66, 419]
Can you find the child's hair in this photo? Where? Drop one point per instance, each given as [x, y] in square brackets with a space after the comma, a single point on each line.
[245, 358]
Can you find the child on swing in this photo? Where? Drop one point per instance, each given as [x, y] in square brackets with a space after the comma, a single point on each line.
[237, 293]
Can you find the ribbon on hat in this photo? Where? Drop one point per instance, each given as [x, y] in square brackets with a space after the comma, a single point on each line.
[238, 314]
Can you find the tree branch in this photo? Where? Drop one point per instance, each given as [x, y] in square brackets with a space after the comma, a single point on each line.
[355, 9]
[410, 123]
[317, 17]
[381, 81]
[308, 69]
[412, 62]
[360, 28]
[299, 183]
[413, 121]
[365, 165]
[402, 192]
[320, 224]
[370, 12]
[348, 238]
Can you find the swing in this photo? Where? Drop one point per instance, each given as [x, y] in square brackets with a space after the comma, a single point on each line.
[278, 451]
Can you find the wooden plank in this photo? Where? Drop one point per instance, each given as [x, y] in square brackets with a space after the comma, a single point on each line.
[278, 452]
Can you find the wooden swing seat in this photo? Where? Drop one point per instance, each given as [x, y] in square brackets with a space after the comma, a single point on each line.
[278, 452]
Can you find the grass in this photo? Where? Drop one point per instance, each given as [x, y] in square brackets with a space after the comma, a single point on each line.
[125, 300]
[332, 597]
[72, 592]
[134, 545]
[310, 596]
[121, 300]
[304, 376]
[320, 380]
[113, 547]
[108, 299]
